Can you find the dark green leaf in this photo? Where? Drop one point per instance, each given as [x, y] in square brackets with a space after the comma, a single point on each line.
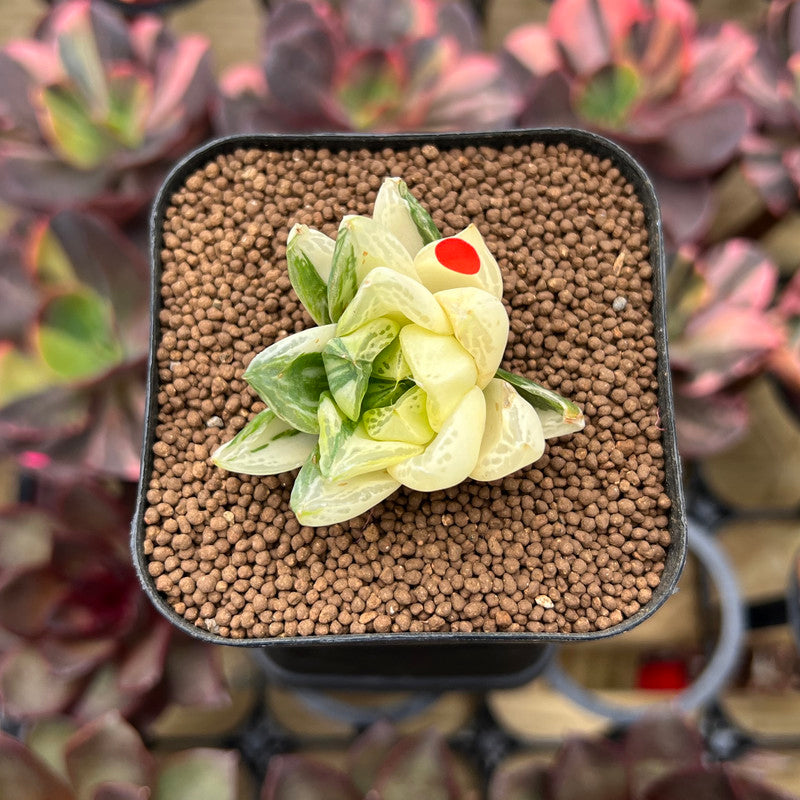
[381, 393]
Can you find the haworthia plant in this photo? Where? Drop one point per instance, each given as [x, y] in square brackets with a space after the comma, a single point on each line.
[401, 384]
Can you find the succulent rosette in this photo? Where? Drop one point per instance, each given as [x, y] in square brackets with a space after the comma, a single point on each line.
[94, 108]
[400, 383]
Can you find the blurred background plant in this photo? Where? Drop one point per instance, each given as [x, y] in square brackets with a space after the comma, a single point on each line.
[98, 104]
[95, 108]
[368, 65]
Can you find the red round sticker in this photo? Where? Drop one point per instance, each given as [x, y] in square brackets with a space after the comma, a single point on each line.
[458, 255]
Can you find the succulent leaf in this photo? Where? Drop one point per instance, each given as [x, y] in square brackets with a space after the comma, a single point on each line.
[267, 445]
[198, 774]
[309, 256]
[318, 501]
[107, 750]
[386, 293]
[513, 437]
[381, 393]
[390, 363]
[348, 362]
[289, 376]
[296, 778]
[359, 454]
[459, 261]
[73, 133]
[441, 367]
[404, 420]
[75, 337]
[22, 773]
[398, 211]
[480, 324]
[452, 454]
[609, 95]
[558, 415]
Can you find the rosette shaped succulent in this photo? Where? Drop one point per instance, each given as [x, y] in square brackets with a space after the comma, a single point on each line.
[646, 75]
[94, 109]
[401, 382]
[77, 636]
[721, 335]
[771, 81]
[106, 759]
[368, 65]
[73, 345]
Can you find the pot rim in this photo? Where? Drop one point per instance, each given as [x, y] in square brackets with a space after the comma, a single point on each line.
[572, 137]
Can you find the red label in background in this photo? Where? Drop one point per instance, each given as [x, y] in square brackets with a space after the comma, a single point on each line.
[458, 255]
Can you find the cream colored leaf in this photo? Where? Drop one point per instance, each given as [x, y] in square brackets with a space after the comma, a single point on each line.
[513, 437]
[386, 293]
[441, 367]
[452, 455]
[449, 264]
[480, 323]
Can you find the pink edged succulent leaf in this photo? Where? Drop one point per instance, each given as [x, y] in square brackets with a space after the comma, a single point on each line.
[114, 102]
[296, 778]
[406, 65]
[26, 776]
[71, 373]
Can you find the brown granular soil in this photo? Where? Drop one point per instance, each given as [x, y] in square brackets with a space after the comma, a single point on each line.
[575, 543]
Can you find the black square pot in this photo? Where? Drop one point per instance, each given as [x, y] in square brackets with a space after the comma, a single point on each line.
[422, 660]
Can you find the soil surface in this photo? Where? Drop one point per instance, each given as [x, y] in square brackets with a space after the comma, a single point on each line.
[575, 543]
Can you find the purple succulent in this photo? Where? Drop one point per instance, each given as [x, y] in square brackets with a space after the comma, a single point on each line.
[381, 764]
[384, 65]
[73, 343]
[644, 74]
[106, 759]
[771, 81]
[660, 758]
[721, 334]
[94, 109]
[77, 636]
[657, 759]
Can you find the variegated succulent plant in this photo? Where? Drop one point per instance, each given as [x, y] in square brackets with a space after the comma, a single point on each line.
[107, 760]
[722, 334]
[771, 81]
[77, 636]
[73, 344]
[401, 382]
[387, 65]
[659, 758]
[647, 75]
[94, 108]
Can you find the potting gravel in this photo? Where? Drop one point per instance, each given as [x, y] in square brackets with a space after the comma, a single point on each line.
[575, 543]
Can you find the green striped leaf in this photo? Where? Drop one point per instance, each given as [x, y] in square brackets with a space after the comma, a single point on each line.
[334, 428]
[289, 376]
[346, 450]
[348, 362]
[558, 415]
[405, 420]
[318, 501]
[390, 363]
[267, 445]
[382, 393]
[309, 256]
[361, 246]
[420, 216]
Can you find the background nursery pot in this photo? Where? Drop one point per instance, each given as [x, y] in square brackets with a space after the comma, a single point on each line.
[428, 658]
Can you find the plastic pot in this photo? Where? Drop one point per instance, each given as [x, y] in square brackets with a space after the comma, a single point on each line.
[423, 660]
